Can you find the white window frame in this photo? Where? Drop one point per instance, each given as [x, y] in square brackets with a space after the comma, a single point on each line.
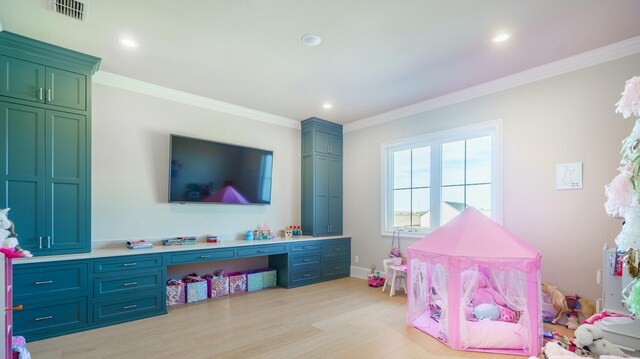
[435, 141]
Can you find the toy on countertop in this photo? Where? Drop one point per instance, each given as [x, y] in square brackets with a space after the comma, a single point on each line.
[262, 233]
[212, 239]
[592, 337]
[10, 245]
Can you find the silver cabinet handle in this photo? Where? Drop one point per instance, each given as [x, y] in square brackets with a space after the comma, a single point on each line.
[205, 256]
[44, 282]
[129, 307]
[336, 249]
[336, 267]
[45, 318]
[41, 94]
[52, 240]
[307, 260]
[40, 246]
[262, 251]
[129, 264]
[130, 284]
[49, 95]
[48, 241]
[307, 275]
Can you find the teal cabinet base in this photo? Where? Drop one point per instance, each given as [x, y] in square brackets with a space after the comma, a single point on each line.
[63, 297]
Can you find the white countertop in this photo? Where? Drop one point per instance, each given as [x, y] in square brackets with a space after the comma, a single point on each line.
[117, 249]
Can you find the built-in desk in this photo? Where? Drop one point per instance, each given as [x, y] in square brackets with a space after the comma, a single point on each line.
[75, 292]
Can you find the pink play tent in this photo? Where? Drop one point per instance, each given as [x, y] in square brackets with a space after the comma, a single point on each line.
[474, 286]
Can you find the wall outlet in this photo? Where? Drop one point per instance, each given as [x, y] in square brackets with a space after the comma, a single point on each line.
[356, 259]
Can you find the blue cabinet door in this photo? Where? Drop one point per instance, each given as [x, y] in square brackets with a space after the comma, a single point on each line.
[22, 79]
[22, 153]
[66, 89]
[66, 181]
[334, 210]
[321, 203]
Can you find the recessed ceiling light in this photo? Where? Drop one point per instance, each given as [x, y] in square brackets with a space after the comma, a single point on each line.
[502, 37]
[128, 42]
[311, 40]
[327, 106]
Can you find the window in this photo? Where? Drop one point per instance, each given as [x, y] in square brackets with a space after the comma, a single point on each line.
[430, 179]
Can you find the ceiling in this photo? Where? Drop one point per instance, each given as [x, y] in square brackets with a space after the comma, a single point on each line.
[375, 56]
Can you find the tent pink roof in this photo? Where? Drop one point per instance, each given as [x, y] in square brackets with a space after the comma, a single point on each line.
[471, 234]
[227, 194]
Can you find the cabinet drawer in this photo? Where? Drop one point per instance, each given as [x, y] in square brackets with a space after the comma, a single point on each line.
[50, 318]
[304, 277]
[262, 250]
[128, 284]
[46, 281]
[126, 264]
[305, 261]
[299, 247]
[202, 256]
[128, 309]
[336, 249]
[335, 269]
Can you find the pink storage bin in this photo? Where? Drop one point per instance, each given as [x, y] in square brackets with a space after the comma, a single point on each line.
[176, 293]
[237, 282]
[218, 286]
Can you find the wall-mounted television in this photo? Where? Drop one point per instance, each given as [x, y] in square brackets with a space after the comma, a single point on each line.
[205, 171]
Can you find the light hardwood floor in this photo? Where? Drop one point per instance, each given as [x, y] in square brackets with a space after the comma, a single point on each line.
[339, 319]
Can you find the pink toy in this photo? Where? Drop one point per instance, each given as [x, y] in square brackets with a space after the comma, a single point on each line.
[484, 292]
[507, 315]
[473, 259]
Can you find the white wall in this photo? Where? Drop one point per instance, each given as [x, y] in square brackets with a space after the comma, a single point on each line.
[566, 118]
[130, 169]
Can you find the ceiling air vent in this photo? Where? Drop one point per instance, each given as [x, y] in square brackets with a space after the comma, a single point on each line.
[72, 8]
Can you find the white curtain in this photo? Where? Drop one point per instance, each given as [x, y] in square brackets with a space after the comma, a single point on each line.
[439, 277]
[512, 285]
[469, 280]
[419, 289]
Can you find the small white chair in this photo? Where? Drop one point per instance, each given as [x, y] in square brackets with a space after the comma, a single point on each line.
[396, 276]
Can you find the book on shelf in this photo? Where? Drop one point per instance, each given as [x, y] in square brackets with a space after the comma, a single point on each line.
[139, 244]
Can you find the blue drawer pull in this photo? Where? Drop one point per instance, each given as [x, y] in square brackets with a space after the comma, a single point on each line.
[45, 318]
[307, 260]
[205, 256]
[129, 307]
[130, 284]
[129, 264]
[45, 282]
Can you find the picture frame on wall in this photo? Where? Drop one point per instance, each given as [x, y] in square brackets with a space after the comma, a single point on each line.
[569, 175]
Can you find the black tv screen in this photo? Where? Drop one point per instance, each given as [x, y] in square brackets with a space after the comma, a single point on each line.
[213, 172]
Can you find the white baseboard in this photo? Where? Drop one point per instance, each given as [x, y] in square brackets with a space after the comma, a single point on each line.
[358, 272]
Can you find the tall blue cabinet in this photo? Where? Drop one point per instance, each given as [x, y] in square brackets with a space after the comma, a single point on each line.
[45, 141]
[321, 177]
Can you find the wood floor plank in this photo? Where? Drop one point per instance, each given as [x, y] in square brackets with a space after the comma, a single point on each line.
[339, 319]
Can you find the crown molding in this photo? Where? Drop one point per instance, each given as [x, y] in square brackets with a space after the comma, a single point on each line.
[146, 88]
[590, 58]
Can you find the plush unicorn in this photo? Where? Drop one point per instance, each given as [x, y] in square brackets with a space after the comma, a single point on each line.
[10, 245]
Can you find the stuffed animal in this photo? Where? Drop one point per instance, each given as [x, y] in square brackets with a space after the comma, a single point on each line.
[487, 311]
[507, 315]
[572, 321]
[484, 292]
[8, 236]
[592, 337]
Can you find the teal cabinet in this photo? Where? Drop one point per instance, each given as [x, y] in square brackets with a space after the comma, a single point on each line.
[321, 178]
[50, 318]
[45, 177]
[45, 143]
[22, 79]
[29, 81]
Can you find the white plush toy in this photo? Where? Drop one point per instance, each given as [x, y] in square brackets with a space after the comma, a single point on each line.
[592, 337]
[8, 236]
